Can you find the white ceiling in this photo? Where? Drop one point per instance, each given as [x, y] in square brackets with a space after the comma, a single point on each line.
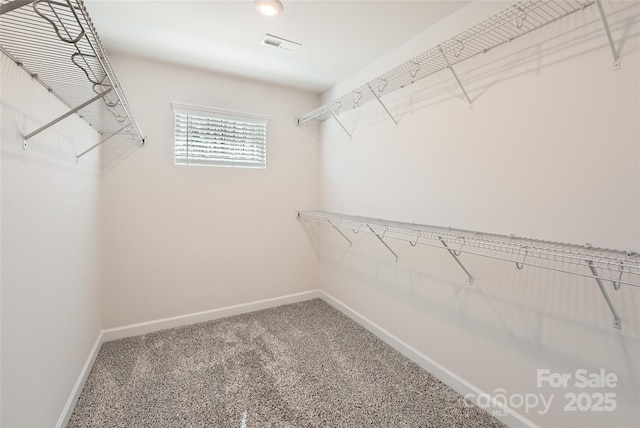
[338, 37]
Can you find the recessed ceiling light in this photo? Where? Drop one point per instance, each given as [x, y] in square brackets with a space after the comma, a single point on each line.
[269, 7]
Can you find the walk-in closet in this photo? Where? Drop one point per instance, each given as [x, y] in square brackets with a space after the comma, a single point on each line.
[319, 213]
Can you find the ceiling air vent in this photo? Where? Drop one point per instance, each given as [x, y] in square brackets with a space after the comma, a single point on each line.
[279, 42]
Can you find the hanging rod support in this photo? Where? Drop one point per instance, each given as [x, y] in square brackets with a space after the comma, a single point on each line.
[382, 104]
[340, 123]
[384, 243]
[340, 232]
[616, 319]
[64, 116]
[614, 51]
[15, 4]
[100, 143]
[455, 75]
[455, 257]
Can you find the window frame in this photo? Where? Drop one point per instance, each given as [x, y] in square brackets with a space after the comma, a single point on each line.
[219, 115]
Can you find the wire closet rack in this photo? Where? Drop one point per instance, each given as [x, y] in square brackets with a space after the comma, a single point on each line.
[602, 265]
[517, 20]
[57, 44]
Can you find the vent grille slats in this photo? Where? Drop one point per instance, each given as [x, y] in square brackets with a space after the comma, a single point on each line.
[279, 42]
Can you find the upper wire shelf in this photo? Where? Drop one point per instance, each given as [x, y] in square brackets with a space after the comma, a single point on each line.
[602, 265]
[56, 42]
[518, 19]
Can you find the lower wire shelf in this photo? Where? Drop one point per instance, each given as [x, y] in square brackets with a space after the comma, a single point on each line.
[602, 265]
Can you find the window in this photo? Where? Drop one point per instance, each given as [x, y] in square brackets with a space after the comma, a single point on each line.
[204, 136]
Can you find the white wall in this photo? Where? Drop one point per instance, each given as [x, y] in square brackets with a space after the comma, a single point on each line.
[51, 312]
[178, 239]
[551, 150]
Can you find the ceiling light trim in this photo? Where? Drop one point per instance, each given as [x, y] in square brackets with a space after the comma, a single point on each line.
[269, 7]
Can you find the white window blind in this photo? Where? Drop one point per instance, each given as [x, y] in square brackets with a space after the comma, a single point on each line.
[204, 136]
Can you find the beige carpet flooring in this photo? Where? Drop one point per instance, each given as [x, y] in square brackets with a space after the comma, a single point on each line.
[298, 365]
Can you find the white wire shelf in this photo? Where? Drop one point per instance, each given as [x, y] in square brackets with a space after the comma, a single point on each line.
[602, 265]
[56, 43]
[518, 19]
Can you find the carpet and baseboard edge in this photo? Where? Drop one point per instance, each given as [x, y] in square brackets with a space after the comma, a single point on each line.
[107, 335]
[63, 420]
[197, 317]
[506, 415]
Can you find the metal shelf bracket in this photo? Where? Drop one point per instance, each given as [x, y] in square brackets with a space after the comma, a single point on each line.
[99, 144]
[455, 75]
[383, 243]
[455, 257]
[614, 51]
[616, 319]
[340, 123]
[340, 232]
[381, 103]
[64, 116]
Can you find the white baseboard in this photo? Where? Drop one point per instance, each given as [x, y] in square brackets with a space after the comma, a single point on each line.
[166, 323]
[182, 320]
[79, 385]
[506, 415]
